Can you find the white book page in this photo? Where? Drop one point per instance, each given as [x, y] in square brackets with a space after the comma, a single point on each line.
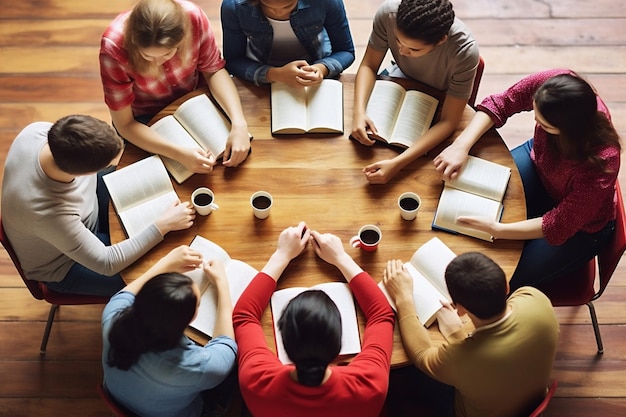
[426, 297]
[415, 117]
[239, 274]
[340, 293]
[383, 106]
[140, 216]
[288, 107]
[432, 259]
[325, 107]
[482, 177]
[138, 182]
[140, 193]
[454, 203]
[205, 122]
[169, 128]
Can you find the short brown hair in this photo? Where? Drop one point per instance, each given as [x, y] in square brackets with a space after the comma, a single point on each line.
[82, 144]
[477, 283]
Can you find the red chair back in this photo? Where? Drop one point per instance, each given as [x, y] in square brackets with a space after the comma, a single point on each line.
[113, 405]
[580, 288]
[611, 254]
[479, 75]
[546, 400]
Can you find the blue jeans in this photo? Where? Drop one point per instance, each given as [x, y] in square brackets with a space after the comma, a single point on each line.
[81, 280]
[541, 262]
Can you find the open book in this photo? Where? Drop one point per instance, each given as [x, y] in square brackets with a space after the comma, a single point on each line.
[401, 116]
[340, 293]
[427, 267]
[239, 274]
[314, 109]
[140, 192]
[198, 123]
[478, 190]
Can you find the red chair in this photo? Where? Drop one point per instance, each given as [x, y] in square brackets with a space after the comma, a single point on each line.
[41, 291]
[117, 409]
[479, 75]
[546, 400]
[578, 288]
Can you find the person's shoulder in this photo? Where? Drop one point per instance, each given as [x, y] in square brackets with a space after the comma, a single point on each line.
[529, 295]
[389, 6]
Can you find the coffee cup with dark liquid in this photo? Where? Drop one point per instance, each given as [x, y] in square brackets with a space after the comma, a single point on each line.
[261, 202]
[368, 238]
[409, 203]
[203, 201]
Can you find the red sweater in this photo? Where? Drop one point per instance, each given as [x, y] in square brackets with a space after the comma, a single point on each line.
[358, 389]
[584, 195]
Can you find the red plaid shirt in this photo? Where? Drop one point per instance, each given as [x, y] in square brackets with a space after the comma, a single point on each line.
[148, 95]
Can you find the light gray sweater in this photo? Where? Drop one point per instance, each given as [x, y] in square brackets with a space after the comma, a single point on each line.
[51, 225]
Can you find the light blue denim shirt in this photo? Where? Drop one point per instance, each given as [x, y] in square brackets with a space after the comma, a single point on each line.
[166, 384]
[321, 26]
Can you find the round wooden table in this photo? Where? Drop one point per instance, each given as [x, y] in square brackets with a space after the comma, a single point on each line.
[318, 179]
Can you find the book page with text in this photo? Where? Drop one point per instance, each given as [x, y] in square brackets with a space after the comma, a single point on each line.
[171, 129]
[432, 259]
[482, 177]
[383, 106]
[454, 203]
[340, 293]
[239, 274]
[139, 217]
[415, 117]
[205, 122]
[288, 108]
[325, 107]
[138, 182]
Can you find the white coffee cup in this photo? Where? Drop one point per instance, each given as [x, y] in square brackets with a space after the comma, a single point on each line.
[409, 204]
[203, 200]
[261, 203]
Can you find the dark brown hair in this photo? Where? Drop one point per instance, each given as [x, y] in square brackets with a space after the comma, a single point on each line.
[569, 103]
[82, 144]
[426, 20]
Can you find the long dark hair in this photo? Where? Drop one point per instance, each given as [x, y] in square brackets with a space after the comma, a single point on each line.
[569, 103]
[310, 327]
[155, 322]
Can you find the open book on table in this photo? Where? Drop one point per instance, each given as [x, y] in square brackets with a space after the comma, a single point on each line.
[401, 116]
[239, 274]
[478, 190]
[427, 267]
[340, 293]
[196, 123]
[314, 109]
[140, 192]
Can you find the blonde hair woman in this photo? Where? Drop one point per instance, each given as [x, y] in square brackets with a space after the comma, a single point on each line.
[156, 53]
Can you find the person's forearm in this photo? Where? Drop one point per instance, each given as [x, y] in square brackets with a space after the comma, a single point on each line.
[223, 321]
[415, 337]
[224, 91]
[363, 85]
[477, 127]
[522, 230]
[147, 139]
[276, 265]
[348, 267]
[433, 137]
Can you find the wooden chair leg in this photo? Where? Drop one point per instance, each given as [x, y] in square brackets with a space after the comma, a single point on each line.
[46, 333]
[596, 327]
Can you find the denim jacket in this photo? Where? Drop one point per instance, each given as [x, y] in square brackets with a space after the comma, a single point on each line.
[320, 25]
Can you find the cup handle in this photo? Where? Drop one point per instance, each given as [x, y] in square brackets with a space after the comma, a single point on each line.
[355, 241]
[214, 206]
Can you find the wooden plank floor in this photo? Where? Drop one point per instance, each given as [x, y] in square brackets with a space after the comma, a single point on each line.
[49, 68]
